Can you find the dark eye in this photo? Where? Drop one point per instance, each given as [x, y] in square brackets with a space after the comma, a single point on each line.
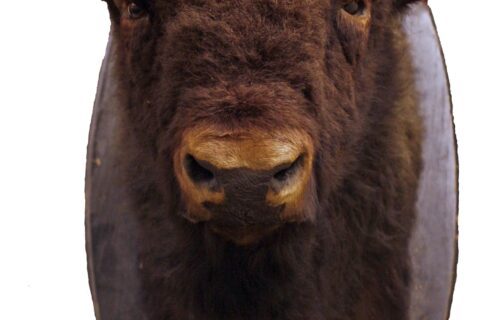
[355, 7]
[135, 10]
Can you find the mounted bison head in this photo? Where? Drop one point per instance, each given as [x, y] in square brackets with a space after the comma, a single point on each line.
[272, 146]
[258, 108]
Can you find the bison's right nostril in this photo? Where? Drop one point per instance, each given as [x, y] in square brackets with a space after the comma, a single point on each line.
[197, 171]
[286, 173]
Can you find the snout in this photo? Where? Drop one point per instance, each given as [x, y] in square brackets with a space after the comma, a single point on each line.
[244, 180]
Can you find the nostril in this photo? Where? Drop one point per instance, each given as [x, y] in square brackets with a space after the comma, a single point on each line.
[197, 171]
[290, 170]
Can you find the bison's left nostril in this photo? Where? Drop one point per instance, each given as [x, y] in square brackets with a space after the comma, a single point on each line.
[287, 172]
[197, 171]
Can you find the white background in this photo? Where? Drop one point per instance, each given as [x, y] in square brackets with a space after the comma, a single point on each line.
[50, 54]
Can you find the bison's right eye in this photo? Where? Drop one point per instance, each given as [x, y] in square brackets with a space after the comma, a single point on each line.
[135, 10]
[355, 7]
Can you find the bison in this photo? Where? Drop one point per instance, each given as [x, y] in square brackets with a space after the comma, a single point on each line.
[272, 150]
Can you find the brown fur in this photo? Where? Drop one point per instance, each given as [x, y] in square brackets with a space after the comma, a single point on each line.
[274, 65]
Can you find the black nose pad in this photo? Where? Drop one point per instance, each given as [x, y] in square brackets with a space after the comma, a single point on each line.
[243, 183]
[200, 172]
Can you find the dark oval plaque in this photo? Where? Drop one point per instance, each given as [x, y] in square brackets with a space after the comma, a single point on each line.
[111, 228]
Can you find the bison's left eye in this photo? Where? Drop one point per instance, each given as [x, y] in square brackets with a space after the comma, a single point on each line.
[354, 8]
[135, 10]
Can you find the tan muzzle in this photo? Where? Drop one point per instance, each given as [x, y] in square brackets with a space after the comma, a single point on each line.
[246, 177]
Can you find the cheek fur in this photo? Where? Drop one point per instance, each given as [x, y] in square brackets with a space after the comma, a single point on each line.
[353, 32]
